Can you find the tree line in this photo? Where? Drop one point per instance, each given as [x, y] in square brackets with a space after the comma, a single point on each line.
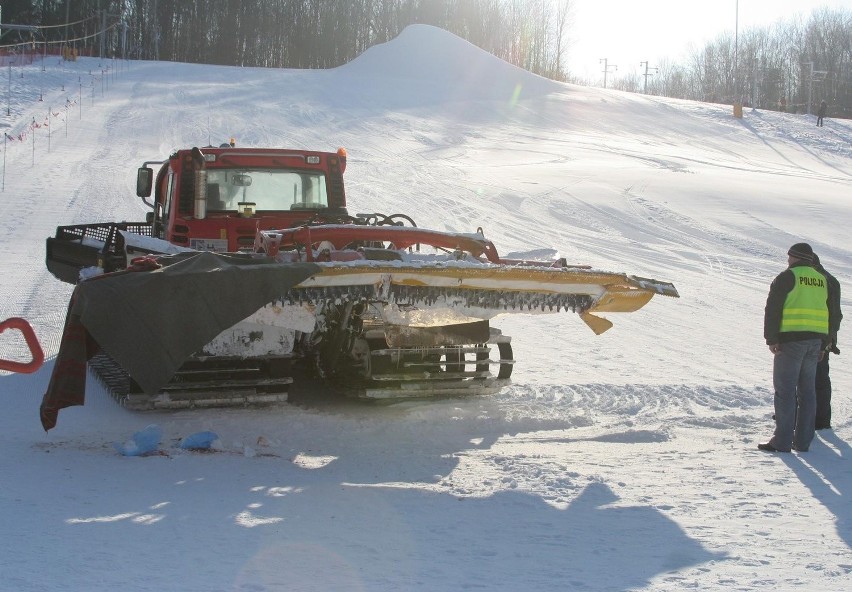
[790, 65]
[793, 64]
[297, 33]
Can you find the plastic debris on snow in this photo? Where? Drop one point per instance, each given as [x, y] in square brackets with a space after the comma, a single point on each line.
[200, 441]
[143, 442]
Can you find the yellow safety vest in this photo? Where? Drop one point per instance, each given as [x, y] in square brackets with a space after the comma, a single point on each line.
[805, 308]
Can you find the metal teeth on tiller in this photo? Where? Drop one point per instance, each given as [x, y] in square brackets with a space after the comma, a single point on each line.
[483, 291]
[492, 299]
[431, 296]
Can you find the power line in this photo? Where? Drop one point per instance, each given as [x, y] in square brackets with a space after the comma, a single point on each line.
[54, 26]
[34, 43]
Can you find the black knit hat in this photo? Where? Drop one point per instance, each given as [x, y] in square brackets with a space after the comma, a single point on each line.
[802, 251]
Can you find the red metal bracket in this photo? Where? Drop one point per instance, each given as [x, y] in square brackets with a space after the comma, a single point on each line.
[32, 342]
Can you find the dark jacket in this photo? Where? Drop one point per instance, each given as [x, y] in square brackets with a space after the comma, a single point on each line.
[782, 285]
[835, 315]
[822, 109]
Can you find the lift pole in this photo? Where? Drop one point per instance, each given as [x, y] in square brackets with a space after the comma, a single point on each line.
[646, 74]
[606, 68]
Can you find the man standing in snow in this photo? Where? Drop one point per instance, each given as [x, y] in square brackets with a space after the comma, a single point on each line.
[823, 107]
[795, 325]
[823, 381]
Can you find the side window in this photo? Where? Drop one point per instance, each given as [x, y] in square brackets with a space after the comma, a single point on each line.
[322, 192]
[313, 190]
[309, 192]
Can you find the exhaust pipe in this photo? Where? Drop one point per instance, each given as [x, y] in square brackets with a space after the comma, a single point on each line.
[200, 178]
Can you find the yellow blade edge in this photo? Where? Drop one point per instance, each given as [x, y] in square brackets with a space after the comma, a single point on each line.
[619, 299]
[596, 324]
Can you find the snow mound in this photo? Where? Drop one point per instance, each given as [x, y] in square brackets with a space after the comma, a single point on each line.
[448, 67]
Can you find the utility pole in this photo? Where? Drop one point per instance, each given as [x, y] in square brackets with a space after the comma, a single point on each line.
[757, 92]
[738, 103]
[102, 35]
[115, 41]
[67, 12]
[124, 40]
[156, 32]
[9, 92]
[811, 78]
[606, 68]
[646, 74]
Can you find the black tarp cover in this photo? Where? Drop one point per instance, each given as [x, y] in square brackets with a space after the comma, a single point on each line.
[150, 322]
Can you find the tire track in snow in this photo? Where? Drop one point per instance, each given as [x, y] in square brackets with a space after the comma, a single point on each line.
[742, 256]
[534, 406]
[536, 437]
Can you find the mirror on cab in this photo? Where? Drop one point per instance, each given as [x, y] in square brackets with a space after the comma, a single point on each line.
[144, 181]
[241, 180]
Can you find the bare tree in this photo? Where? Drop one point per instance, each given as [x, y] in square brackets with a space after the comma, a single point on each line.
[796, 60]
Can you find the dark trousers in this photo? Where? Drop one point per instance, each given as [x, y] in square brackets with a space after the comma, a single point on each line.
[823, 394]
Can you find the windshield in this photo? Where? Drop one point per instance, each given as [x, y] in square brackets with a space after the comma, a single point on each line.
[270, 189]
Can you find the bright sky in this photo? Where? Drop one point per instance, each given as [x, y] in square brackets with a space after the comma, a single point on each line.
[627, 32]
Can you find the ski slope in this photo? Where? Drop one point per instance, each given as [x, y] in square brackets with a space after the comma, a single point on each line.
[625, 461]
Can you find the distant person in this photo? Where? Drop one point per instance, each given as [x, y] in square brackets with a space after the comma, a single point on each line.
[796, 326]
[821, 113]
[782, 106]
[823, 381]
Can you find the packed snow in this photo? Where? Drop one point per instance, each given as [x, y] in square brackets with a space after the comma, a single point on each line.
[625, 461]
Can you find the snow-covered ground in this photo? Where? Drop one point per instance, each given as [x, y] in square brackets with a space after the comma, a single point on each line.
[625, 461]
